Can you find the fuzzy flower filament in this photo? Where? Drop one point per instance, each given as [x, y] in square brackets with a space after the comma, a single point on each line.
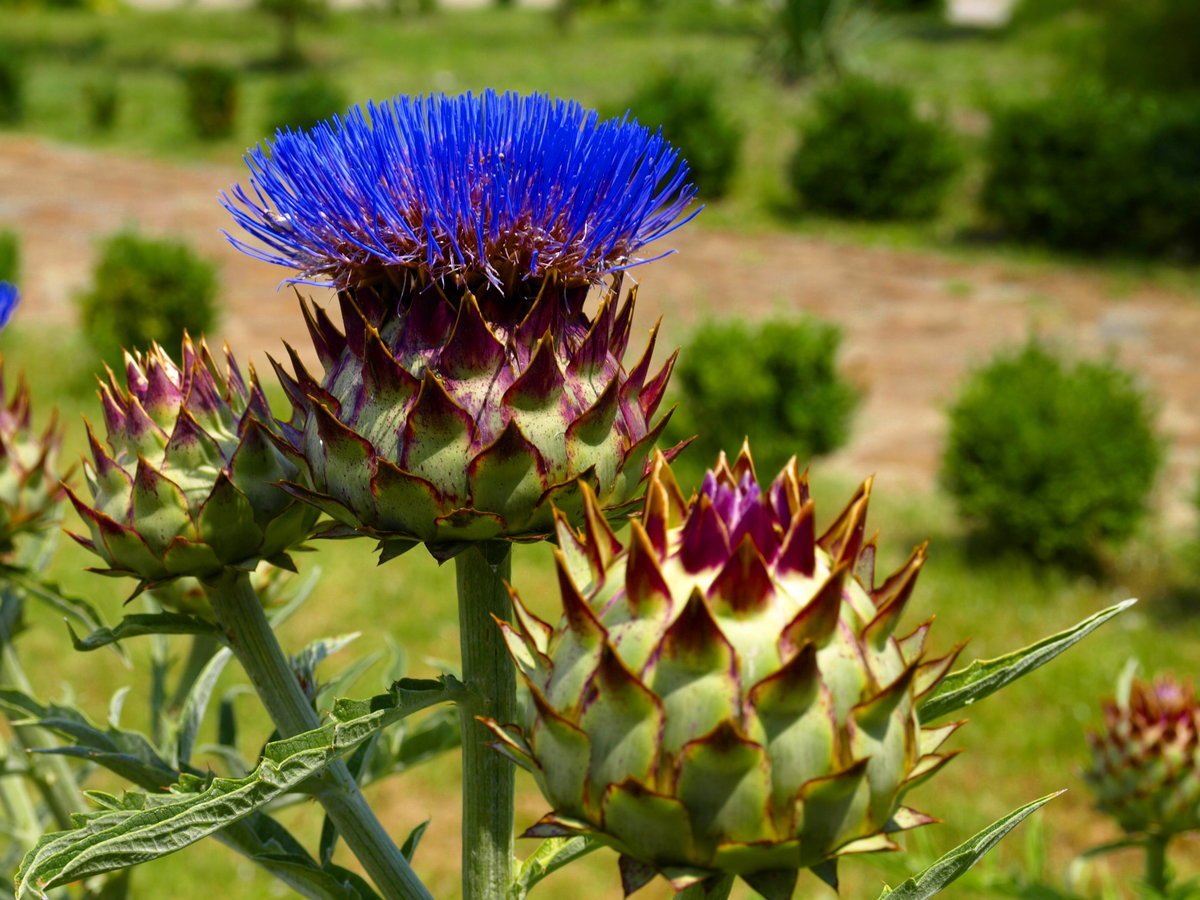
[492, 187]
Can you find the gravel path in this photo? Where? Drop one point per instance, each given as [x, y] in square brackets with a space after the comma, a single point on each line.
[915, 322]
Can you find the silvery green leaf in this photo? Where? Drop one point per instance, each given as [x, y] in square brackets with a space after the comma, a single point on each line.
[955, 863]
[141, 625]
[984, 677]
[550, 856]
[45, 591]
[127, 753]
[149, 826]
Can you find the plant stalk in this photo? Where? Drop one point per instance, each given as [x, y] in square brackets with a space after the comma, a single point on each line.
[240, 615]
[488, 778]
[1156, 863]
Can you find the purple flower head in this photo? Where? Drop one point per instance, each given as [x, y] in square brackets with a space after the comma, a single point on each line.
[501, 187]
[9, 298]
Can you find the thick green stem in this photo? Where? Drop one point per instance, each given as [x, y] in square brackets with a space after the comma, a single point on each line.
[240, 615]
[488, 778]
[1156, 863]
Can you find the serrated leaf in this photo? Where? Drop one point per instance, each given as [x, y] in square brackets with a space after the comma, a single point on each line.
[550, 856]
[142, 625]
[141, 827]
[147, 827]
[955, 863]
[984, 677]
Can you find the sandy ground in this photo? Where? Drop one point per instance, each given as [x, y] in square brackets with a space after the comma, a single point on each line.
[915, 323]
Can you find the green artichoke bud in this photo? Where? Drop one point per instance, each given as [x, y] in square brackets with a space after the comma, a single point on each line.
[449, 417]
[724, 694]
[1145, 767]
[187, 484]
[29, 483]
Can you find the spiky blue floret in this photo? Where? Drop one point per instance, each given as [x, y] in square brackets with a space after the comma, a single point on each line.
[500, 185]
[9, 298]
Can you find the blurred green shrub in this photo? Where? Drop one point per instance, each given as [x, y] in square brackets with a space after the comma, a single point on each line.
[10, 257]
[12, 86]
[812, 37]
[146, 290]
[684, 104]
[1049, 458]
[1088, 170]
[101, 100]
[288, 14]
[302, 102]
[212, 99]
[776, 383]
[909, 6]
[1151, 45]
[865, 152]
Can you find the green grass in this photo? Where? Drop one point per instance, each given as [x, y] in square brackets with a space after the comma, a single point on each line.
[1020, 744]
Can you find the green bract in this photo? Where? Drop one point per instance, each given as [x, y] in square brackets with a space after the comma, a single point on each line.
[29, 491]
[450, 418]
[187, 482]
[1145, 767]
[724, 695]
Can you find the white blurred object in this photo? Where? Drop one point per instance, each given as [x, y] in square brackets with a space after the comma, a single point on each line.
[980, 13]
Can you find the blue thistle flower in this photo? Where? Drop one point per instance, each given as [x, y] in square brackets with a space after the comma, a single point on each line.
[9, 298]
[497, 187]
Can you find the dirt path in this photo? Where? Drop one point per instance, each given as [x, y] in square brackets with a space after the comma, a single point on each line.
[914, 322]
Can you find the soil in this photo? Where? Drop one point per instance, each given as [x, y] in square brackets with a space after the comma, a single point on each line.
[915, 322]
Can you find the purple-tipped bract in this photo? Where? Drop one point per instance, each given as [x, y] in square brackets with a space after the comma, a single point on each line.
[499, 187]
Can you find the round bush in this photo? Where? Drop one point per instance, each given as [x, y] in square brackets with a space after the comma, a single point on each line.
[1150, 45]
[301, 103]
[212, 99]
[684, 104]
[1067, 170]
[776, 383]
[145, 290]
[1050, 458]
[865, 152]
[10, 257]
[12, 87]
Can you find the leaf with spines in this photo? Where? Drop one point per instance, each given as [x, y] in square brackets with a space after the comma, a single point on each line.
[142, 827]
[984, 677]
[143, 625]
[955, 863]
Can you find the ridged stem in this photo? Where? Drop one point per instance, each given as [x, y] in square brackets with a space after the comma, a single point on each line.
[488, 778]
[1156, 863]
[240, 615]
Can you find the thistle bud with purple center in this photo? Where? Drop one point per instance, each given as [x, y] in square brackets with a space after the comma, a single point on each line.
[186, 482]
[1145, 765]
[469, 388]
[725, 694]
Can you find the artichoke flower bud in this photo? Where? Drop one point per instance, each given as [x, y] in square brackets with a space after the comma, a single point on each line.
[30, 494]
[445, 425]
[186, 482]
[724, 694]
[1145, 765]
[468, 389]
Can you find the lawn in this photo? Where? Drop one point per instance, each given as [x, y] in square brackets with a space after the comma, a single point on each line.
[1019, 745]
